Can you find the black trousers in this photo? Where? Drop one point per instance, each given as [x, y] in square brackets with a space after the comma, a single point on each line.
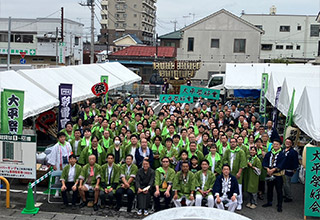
[278, 184]
[74, 194]
[104, 196]
[157, 201]
[262, 186]
[130, 195]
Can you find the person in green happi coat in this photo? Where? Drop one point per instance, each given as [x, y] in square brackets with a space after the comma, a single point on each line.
[76, 143]
[105, 140]
[215, 160]
[118, 150]
[237, 160]
[164, 176]
[90, 178]
[156, 148]
[204, 182]
[251, 177]
[110, 175]
[169, 151]
[95, 149]
[127, 183]
[243, 147]
[184, 186]
[261, 152]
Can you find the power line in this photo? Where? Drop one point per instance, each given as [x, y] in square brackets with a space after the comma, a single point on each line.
[37, 20]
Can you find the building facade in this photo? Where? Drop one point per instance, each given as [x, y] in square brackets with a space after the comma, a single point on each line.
[292, 37]
[37, 40]
[122, 17]
[217, 39]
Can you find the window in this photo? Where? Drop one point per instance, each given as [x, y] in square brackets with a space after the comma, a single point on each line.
[259, 26]
[7, 152]
[27, 38]
[17, 38]
[116, 25]
[134, 25]
[170, 44]
[314, 30]
[239, 46]
[135, 5]
[190, 43]
[284, 28]
[124, 15]
[289, 47]
[266, 46]
[215, 43]
[3, 37]
[76, 41]
[299, 28]
[279, 47]
[298, 47]
[135, 15]
[215, 81]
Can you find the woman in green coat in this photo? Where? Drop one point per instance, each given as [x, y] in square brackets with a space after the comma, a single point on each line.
[156, 148]
[251, 177]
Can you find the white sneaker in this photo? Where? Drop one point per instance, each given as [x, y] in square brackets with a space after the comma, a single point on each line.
[239, 207]
[145, 213]
[139, 212]
[56, 195]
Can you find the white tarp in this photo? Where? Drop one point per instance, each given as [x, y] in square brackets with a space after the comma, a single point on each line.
[297, 83]
[35, 98]
[41, 83]
[306, 115]
[276, 79]
[248, 76]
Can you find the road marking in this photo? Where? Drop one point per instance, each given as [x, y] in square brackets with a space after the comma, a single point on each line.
[19, 191]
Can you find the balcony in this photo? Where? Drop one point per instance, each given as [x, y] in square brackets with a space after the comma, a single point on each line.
[147, 2]
[104, 2]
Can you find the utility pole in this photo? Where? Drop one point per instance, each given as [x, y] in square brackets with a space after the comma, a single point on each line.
[92, 33]
[90, 3]
[9, 41]
[61, 24]
[175, 24]
[57, 57]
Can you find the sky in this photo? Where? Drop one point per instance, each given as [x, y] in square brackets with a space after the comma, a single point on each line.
[168, 11]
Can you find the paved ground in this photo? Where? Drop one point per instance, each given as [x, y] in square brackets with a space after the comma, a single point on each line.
[292, 211]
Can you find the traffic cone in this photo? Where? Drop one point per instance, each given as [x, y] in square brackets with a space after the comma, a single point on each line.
[30, 208]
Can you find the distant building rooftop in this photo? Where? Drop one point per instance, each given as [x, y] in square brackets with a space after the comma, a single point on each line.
[173, 35]
[146, 51]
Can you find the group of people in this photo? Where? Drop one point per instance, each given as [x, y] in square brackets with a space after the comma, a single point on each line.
[208, 156]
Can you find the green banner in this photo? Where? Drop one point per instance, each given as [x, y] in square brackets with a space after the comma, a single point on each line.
[12, 102]
[176, 99]
[264, 88]
[289, 118]
[199, 92]
[105, 97]
[312, 184]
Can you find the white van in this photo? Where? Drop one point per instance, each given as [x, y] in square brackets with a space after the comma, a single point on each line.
[217, 81]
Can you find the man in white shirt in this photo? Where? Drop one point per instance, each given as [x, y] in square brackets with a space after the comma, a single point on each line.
[59, 155]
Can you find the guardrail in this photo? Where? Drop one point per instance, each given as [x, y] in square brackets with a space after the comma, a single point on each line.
[7, 192]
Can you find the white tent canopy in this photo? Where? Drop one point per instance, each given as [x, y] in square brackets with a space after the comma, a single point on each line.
[306, 115]
[298, 84]
[42, 84]
[248, 76]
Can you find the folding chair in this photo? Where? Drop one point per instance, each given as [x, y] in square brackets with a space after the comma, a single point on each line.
[55, 186]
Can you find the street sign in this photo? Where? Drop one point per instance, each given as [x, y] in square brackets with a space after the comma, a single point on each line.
[23, 61]
[23, 54]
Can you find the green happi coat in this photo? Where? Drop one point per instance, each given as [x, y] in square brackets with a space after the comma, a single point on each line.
[169, 153]
[114, 179]
[65, 172]
[251, 179]
[162, 176]
[184, 186]
[84, 156]
[263, 175]
[69, 138]
[220, 147]
[156, 151]
[198, 154]
[209, 181]
[240, 161]
[246, 150]
[98, 131]
[85, 173]
[128, 174]
[105, 143]
[111, 150]
[83, 143]
[218, 162]
[79, 149]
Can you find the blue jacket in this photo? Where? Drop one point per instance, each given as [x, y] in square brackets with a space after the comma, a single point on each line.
[291, 161]
[234, 188]
[280, 163]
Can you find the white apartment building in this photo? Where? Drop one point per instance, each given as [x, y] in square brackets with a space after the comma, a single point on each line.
[217, 39]
[37, 39]
[292, 37]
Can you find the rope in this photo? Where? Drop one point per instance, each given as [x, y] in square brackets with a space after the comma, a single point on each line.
[41, 179]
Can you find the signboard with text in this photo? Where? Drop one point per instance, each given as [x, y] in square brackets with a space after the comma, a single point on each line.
[200, 92]
[31, 52]
[264, 88]
[18, 156]
[65, 98]
[176, 99]
[312, 184]
[12, 102]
